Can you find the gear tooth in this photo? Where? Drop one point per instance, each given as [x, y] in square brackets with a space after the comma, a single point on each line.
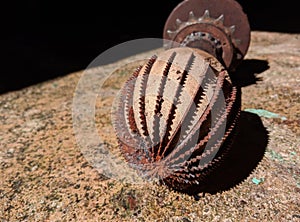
[178, 22]
[220, 19]
[232, 29]
[171, 33]
[205, 15]
[192, 16]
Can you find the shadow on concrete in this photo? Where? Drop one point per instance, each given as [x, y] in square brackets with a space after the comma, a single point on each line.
[247, 151]
[247, 72]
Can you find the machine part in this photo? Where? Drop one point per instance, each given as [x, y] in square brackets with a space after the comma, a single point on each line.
[176, 118]
[219, 27]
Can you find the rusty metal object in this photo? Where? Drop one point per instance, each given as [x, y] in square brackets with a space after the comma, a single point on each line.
[176, 118]
[177, 115]
[219, 27]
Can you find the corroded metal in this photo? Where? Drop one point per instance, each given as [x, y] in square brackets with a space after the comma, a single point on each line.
[176, 116]
[219, 27]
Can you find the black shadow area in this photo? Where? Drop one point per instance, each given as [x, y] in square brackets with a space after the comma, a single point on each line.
[42, 40]
[247, 71]
[247, 151]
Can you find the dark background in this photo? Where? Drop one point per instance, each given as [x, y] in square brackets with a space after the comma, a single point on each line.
[41, 40]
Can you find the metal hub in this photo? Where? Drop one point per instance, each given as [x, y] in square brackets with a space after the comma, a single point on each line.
[220, 28]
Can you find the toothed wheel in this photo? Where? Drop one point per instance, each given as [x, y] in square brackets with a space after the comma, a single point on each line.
[219, 27]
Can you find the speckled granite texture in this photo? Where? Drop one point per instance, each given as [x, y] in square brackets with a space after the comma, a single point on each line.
[45, 177]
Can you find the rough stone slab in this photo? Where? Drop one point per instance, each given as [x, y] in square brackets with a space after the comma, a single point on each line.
[45, 177]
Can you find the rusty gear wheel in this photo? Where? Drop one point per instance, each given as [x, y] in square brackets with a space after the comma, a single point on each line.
[219, 27]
